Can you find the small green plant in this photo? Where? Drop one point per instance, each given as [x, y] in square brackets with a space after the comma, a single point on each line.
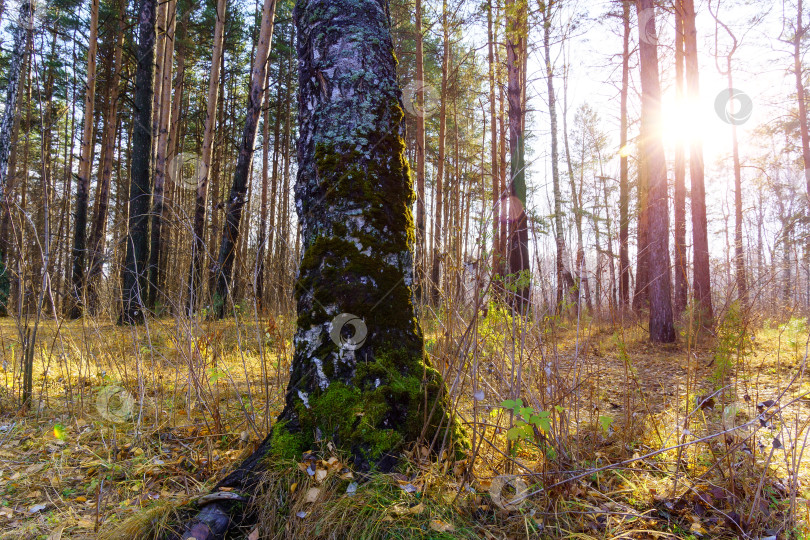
[733, 343]
[529, 425]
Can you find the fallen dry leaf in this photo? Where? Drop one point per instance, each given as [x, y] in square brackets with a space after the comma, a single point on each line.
[404, 510]
[440, 526]
[312, 495]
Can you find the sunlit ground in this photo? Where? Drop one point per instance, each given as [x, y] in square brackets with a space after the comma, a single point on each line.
[123, 419]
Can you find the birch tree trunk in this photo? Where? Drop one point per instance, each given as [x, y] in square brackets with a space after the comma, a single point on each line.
[565, 280]
[359, 347]
[359, 376]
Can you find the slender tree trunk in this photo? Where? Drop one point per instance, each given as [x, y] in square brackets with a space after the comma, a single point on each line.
[681, 277]
[624, 180]
[739, 250]
[565, 280]
[198, 250]
[98, 231]
[22, 32]
[662, 329]
[261, 236]
[85, 167]
[272, 241]
[421, 239]
[163, 115]
[439, 212]
[493, 126]
[700, 239]
[137, 241]
[516, 30]
[236, 199]
[581, 271]
[801, 96]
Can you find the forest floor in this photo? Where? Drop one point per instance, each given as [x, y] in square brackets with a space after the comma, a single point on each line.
[125, 420]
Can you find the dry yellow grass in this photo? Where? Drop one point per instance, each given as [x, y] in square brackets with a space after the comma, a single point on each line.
[202, 395]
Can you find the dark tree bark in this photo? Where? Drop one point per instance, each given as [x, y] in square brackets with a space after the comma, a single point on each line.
[360, 381]
[681, 291]
[198, 250]
[261, 235]
[96, 240]
[701, 281]
[22, 32]
[236, 198]
[624, 183]
[137, 239]
[662, 329]
[163, 117]
[439, 211]
[421, 238]
[85, 167]
[516, 31]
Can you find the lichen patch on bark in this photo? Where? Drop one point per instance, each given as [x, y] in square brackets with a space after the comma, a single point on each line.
[354, 194]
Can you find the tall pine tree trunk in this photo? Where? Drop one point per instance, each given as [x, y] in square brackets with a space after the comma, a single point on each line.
[22, 37]
[801, 96]
[198, 250]
[236, 198]
[98, 230]
[137, 239]
[421, 238]
[516, 30]
[85, 166]
[681, 291]
[439, 211]
[700, 238]
[624, 180]
[662, 329]
[493, 126]
[163, 117]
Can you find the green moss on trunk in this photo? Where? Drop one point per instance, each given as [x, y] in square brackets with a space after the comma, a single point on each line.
[372, 392]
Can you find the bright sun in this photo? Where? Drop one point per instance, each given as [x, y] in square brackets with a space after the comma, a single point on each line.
[682, 123]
